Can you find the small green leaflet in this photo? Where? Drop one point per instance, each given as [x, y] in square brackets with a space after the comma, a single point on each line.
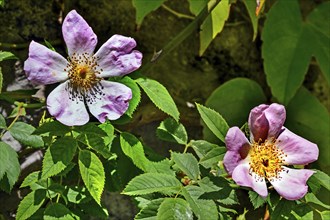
[58, 156]
[9, 167]
[31, 178]
[172, 131]
[30, 204]
[289, 43]
[213, 157]
[4, 55]
[251, 8]
[57, 211]
[152, 182]
[149, 212]
[187, 163]
[92, 173]
[159, 95]
[22, 132]
[144, 7]
[256, 200]
[214, 121]
[175, 209]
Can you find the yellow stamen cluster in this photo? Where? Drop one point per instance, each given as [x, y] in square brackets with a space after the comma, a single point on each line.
[82, 71]
[266, 159]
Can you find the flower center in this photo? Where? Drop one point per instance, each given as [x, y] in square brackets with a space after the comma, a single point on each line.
[82, 71]
[266, 159]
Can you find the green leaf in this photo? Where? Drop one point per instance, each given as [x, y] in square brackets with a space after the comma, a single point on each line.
[58, 156]
[196, 6]
[174, 208]
[307, 117]
[202, 147]
[152, 182]
[251, 8]
[91, 208]
[149, 212]
[203, 209]
[287, 46]
[31, 178]
[213, 157]
[78, 195]
[214, 121]
[92, 173]
[9, 167]
[173, 131]
[283, 209]
[187, 163]
[95, 141]
[1, 79]
[133, 148]
[325, 215]
[235, 98]
[159, 95]
[256, 200]
[213, 24]
[30, 204]
[57, 211]
[322, 178]
[22, 132]
[4, 55]
[144, 7]
[311, 198]
[53, 128]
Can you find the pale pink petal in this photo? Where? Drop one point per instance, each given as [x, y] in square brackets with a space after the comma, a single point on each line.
[44, 66]
[235, 139]
[78, 35]
[116, 57]
[243, 177]
[299, 151]
[111, 103]
[275, 115]
[67, 111]
[237, 148]
[291, 183]
[258, 123]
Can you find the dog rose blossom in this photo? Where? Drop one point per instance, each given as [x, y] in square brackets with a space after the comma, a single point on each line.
[266, 157]
[81, 75]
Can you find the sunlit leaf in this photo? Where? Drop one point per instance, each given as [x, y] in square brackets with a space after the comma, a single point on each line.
[9, 167]
[150, 211]
[174, 208]
[22, 132]
[289, 43]
[57, 211]
[58, 156]
[5, 55]
[159, 95]
[214, 121]
[30, 204]
[92, 173]
[31, 178]
[187, 163]
[251, 8]
[170, 130]
[152, 182]
[213, 24]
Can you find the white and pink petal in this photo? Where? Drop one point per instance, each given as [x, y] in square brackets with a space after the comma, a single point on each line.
[116, 57]
[111, 103]
[78, 35]
[291, 183]
[298, 150]
[244, 177]
[64, 109]
[258, 123]
[276, 116]
[44, 66]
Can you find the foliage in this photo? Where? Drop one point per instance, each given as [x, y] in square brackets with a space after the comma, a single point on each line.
[81, 162]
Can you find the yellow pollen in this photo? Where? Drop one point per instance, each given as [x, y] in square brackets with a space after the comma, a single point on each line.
[266, 159]
[82, 71]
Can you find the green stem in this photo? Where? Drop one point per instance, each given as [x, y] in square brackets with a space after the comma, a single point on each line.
[179, 15]
[193, 26]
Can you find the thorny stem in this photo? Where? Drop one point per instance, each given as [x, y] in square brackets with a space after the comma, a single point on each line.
[193, 26]
[179, 15]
